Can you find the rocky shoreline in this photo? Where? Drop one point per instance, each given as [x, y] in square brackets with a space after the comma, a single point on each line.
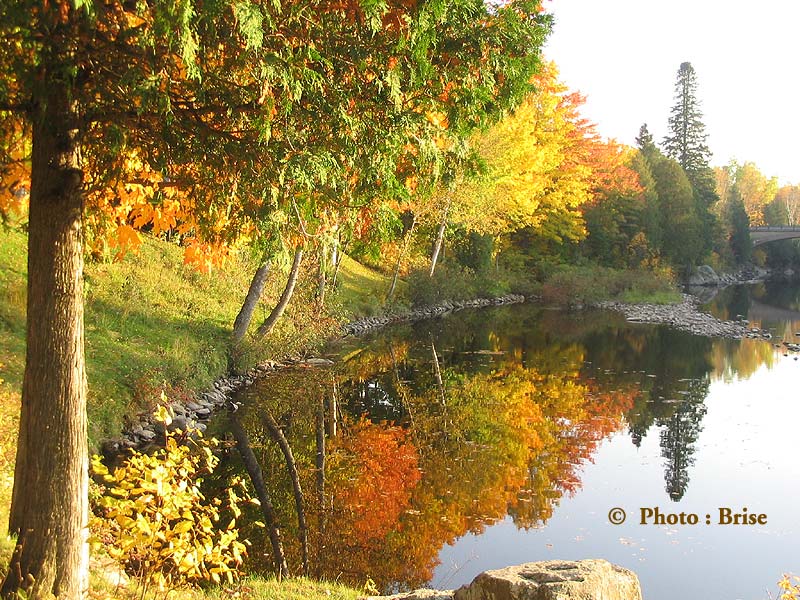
[365, 325]
[686, 316]
[194, 414]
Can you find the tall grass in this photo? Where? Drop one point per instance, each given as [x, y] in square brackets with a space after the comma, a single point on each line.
[589, 284]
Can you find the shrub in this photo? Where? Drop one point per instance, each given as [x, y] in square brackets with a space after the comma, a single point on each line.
[157, 523]
[595, 284]
[453, 283]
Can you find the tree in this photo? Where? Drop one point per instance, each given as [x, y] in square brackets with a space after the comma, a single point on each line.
[787, 205]
[755, 190]
[215, 100]
[536, 172]
[740, 242]
[683, 230]
[686, 141]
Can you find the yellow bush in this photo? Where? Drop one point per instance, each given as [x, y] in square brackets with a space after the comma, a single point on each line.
[156, 522]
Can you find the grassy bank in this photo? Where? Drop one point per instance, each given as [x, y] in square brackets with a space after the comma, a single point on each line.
[154, 324]
[589, 284]
[247, 589]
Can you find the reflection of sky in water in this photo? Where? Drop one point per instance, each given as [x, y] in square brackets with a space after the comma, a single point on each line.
[746, 456]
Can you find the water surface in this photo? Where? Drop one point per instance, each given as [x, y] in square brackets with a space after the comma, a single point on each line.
[432, 452]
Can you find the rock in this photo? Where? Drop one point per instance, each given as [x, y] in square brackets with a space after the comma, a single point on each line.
[317, 362]
[704, 275]
[148, 435]
[554, 580]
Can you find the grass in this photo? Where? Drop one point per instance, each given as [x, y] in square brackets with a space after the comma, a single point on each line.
[362, 290]
[154, 324]
[589, 284]
[250, 588]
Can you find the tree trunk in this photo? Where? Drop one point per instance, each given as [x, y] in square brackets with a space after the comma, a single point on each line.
[403, 250]
[269, 324]
[333, 422]
[437, 247]
[320, 456]
[291, 465]
[340, 249]
[242, 322]
[257, 477]
[49, 507]
[321, 276]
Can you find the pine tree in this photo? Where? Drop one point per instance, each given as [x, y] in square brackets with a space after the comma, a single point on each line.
[645, 143]
[686, 142]
[739, 223]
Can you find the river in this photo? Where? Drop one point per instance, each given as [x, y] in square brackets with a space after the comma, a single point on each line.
[431, 452]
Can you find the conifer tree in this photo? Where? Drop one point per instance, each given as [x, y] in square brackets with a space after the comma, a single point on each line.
[687, 144]
[686, 141]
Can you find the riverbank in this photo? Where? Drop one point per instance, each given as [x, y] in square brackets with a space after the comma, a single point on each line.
[686, 316]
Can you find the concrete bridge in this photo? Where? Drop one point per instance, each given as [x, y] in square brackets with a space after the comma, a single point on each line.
[762, 235]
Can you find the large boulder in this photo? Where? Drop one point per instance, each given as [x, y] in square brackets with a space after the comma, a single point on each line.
[703, 275]
[554, 580]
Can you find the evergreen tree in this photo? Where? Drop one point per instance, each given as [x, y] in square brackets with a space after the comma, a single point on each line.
[739, 223]
[678, 439]
[645, 143]
[686, 142]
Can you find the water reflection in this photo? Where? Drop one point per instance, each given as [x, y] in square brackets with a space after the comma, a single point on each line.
[423, 434]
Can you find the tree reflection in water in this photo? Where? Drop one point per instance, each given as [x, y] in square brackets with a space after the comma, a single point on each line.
[422, 434]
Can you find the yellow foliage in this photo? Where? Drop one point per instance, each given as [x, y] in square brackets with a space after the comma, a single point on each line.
[790, 588]
[157, 523]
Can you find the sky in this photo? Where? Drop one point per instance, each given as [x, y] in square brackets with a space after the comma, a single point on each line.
[624, 56]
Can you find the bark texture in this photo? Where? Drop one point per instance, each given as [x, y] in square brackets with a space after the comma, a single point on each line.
[277, 312]
[49, 508]
[245, 316]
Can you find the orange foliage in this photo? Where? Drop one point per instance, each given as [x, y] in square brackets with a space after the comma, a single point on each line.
[386, 471]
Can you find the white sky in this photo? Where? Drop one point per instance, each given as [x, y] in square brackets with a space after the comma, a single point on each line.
[624, 56]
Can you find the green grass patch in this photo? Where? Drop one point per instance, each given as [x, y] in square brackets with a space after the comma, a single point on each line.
[151, 324]
[362, 290]
[249, 588]
[588, 284]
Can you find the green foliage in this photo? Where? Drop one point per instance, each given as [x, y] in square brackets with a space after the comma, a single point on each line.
[740, 242]
[686, 141]
[474, 251]
[589, 284]
[683, 241]
[451, 282]
[158, 524]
